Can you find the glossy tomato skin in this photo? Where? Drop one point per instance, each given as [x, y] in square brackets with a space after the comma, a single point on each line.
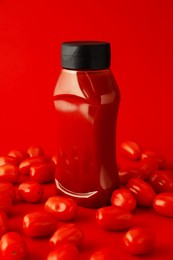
[25, 165]
[139, 241]
[9, 173]
[55, 159]
[159, 158]
[8, 160]
[124, 176]
[63, 208]
[39, 224]
[30, 191]
[43, 172]
[8, 189]
[67, 233]
[104, 254]
[18, 155]
[13, 247]
[5, 203]
[123, 198]
[64, 252]
[148, 166]
[142, 192]
[113, 218]
[163, 204]
[162, 181]
[3, 223]
[35, 151]
[131, 150]
[126, 173]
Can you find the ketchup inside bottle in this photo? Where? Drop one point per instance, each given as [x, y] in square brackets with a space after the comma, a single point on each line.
[86, 104]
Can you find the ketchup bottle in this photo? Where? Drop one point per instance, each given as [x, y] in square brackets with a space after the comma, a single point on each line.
[86, 99]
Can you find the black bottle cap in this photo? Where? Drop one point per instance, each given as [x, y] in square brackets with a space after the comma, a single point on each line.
[89, 55]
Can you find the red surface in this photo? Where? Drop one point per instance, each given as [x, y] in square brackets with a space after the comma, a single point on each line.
[141, 36]
[95, 237]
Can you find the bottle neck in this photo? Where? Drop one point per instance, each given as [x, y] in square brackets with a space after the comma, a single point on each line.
[65, 70]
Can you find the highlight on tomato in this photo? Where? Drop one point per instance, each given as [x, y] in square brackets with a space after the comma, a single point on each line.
[139, 241]
[30, 191]
[13, 247]
[114, 218]
[122, 197]
[62, 207]
[67, 233]
[64, 252]
[39, 224]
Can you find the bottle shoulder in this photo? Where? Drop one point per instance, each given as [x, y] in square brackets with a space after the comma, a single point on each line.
[94, 85]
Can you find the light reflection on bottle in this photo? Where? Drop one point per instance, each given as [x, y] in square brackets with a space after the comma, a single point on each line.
[66, 106]
[74, 194]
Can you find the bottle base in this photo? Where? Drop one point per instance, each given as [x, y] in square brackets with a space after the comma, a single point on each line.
[91, 199]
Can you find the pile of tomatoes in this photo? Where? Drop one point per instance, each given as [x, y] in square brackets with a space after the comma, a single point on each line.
[144, 182]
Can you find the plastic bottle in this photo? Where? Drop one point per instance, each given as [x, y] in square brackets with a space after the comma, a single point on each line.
[86, 99]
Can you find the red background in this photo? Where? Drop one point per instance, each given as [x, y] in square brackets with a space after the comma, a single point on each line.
[141, 36]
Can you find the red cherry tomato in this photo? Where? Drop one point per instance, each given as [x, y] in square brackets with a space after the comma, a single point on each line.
[125, 174]
[3, 223]
[147, 167]
[13, 247]
[8, 160]
[5, 203]
[123, 198]
[104, 254]
[162, 181]
[113, 218]
[63, 208]
[24, 166]
[9, 173]
[42, 172]
[160, 159]
[131, 150]
[8, 189]
[142, 192]
[64, 252]
[68, 233]
[39, 224]
[163, 204]
[139, 241]
[30, 191]
[18, 155]
[35, 151]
